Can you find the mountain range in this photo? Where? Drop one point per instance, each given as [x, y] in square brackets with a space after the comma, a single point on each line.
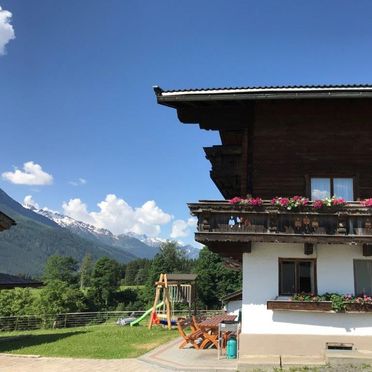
[40, 233]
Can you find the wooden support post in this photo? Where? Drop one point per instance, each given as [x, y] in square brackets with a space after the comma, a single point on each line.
[167, 302]
[157, 295]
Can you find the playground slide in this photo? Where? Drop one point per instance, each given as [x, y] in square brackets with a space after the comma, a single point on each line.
[144, 315]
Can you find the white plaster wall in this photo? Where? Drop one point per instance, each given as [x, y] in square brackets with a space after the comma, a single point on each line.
[335, 267]
[334, 274]
[233, 307]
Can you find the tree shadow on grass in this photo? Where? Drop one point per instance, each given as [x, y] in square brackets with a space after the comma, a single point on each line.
[12, 343]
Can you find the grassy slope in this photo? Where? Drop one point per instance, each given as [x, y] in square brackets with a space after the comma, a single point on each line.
[102, 341]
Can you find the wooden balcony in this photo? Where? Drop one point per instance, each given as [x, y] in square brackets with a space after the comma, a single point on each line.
[220, 223]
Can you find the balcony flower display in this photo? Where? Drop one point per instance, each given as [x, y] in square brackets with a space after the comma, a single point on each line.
[329, 202]
[235, 201]
[290, 203]
[367, 202]
[250, 202]
[253, 202]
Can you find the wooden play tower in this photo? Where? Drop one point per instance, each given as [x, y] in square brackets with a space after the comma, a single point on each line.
[170, 289]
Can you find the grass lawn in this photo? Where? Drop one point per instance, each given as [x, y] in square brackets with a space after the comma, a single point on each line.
[101, 341]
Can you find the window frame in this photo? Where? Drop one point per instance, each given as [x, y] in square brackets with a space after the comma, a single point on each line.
[296, 261]
[355, 271]
[331, 178]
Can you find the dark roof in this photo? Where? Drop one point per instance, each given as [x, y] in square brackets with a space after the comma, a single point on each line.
[5, 222]
[261, 92]
[235, 296]
[11, 281]
[181, 277]
[160, 91]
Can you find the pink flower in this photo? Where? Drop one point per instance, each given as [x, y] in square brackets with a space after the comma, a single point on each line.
[338, 201]
[318, 204]
[255, 202]
[283, 202]
[235, 200]
[367, 202]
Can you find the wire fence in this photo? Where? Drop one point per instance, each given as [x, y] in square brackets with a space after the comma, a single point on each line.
[69, 320]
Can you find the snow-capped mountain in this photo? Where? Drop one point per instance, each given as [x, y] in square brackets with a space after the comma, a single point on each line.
[141, 246]
[152, 242]
[191, 252]
[71, 223]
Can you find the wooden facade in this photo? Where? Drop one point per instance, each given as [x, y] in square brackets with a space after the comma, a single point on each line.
[294, 140]
[271, 145]
[273, 141]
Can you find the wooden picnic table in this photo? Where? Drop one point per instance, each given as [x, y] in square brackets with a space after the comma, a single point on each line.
[209, 327]
[213, 323]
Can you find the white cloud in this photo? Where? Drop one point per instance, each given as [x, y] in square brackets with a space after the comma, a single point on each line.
[79, 182]
[75, 208]
[319, 194]
[28, 202]
[181, 228]
[6, 29]
[32, 174]
[119, 217]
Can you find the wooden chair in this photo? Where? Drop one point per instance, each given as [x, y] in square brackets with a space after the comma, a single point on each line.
[190, 338]
[208, 338]
[194, 324]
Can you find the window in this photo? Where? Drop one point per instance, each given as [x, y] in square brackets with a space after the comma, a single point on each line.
[363, 277]
[296, 276]
[322, 187]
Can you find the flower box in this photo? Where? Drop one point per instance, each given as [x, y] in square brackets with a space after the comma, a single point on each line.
[322, 306]
[356, 307]
[299, 305]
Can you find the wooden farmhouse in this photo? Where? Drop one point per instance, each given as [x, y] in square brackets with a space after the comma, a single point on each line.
[294, 169]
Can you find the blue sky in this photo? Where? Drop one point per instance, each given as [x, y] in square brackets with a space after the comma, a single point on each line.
[76, 96]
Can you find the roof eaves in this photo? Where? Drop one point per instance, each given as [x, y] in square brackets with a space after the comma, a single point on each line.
[229, 296]
[272, 92]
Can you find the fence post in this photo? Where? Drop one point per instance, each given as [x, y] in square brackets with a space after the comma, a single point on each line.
[16, 323]
[65, 320]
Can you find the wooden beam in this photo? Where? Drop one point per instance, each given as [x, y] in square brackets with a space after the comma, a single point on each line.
[367, 250]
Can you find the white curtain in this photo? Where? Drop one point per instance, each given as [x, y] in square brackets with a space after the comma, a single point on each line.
[343, 188]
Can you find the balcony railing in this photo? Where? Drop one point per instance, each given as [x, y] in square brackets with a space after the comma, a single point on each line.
[221, 221]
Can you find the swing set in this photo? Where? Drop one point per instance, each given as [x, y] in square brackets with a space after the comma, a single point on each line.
[169, 290]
